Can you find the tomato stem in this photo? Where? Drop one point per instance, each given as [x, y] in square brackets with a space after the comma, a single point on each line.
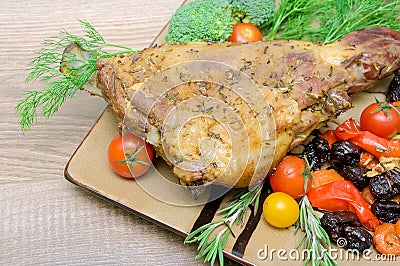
[131, 158]
[384, 107]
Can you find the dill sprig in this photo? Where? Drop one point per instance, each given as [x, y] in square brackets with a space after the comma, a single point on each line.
[212, 244]
[326, 21]
[316, 240]
[58, 86]
[352, 15]
[291, 19]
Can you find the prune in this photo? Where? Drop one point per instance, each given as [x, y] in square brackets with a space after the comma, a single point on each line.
[357, 238]
[317, 151]
[355, 174]
[385, 185]
[332, 222]
[393, 93]
[345, 152]
[346, 225]
[386, 210]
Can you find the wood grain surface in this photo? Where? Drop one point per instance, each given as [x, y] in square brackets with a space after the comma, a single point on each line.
[45, 220]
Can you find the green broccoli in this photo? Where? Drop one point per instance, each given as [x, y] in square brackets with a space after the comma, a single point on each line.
[201, 20]
[254, 11]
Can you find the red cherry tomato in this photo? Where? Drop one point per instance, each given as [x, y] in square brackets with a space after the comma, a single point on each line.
[288, 177]
[130, 156]
[381, 119]
[245, 32]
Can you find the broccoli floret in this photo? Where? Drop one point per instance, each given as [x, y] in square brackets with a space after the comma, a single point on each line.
[201, 20]
[255, 11]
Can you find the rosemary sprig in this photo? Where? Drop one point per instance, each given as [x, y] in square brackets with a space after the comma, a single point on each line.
[316, 240]
[59, 86]
[307, 172]
[211, 244]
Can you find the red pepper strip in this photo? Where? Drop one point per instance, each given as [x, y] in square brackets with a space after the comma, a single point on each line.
[350, 130]
[343, 196]
[329, 136]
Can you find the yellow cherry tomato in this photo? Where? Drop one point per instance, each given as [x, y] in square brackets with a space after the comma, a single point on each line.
[280, 210]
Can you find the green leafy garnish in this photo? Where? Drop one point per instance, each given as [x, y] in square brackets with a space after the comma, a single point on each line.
[59, 86]
[307, 172]
[316, 240]
[326, 21]
[211, 244]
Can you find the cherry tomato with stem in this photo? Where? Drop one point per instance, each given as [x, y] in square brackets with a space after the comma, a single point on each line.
[130, 156]
[381, 119]
[292, 177]
[280, 210]
[245, 32]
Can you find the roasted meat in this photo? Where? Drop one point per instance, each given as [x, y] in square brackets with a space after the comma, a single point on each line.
[302, 84]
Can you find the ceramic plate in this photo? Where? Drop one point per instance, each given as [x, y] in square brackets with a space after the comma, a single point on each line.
[256, 243]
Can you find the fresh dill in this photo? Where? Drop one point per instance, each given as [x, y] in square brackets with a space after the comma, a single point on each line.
[326, 21]
[210, 244]
[62, 73]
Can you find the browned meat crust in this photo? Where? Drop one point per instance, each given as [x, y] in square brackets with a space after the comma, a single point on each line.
[305, 84]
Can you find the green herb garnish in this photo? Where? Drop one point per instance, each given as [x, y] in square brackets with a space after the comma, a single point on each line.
[316, 240]
[326, 21]
[307, 172]
[59, 86]
[212, 244]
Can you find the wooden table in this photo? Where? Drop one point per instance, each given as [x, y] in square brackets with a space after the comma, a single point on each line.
[43, 218]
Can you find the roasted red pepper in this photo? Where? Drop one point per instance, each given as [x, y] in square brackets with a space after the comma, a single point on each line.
[343, 196]
[350, 130]
[329, 136]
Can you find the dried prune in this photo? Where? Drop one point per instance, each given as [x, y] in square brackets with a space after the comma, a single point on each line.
[393, 93]
[386, 210]
[345, 152]
[357, 238]
[385, 185]
[331, 222]
[317, 151]
[355, 174]
[346, 225]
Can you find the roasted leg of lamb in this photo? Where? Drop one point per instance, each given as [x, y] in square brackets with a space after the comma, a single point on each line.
[303, 84]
